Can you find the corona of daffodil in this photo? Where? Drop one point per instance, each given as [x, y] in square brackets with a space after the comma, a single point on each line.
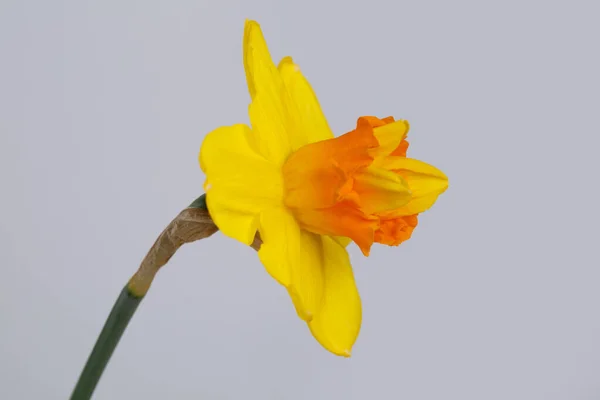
[309, 193]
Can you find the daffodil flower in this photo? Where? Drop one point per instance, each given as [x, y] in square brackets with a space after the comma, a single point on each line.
[309, 194]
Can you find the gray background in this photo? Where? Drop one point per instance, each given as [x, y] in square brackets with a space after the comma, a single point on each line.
[104, 105]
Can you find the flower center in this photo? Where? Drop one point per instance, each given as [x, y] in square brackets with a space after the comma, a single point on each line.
[333, 187]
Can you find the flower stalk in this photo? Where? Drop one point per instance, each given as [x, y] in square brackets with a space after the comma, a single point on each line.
[111, 333]
[193, 223]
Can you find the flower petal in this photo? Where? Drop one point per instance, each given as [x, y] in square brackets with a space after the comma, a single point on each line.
[380, 190]
[239, 181]
[394, 231]
[342, 240]
[344, 219]
[310, 116]
[388, 132]
[294, 258]
[316, 271]
[337, 324]
[268, 111]
[390, 136]
[316, 176]
[425, 181]
[261, 73]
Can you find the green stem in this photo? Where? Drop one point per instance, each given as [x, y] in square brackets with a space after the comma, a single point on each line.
[112, 331]
[200, 202]
[191, 224]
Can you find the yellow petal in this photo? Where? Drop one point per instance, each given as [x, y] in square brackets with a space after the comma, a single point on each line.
[240, 183]
[425, 181]
[311, 119]
[380, 190]
[261, 74]
[294, 258]
[342, 240]
[271, 106]
[337, 324]
[389, 137]
[317, 274]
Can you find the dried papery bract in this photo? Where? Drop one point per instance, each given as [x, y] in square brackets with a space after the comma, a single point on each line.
[190, 225]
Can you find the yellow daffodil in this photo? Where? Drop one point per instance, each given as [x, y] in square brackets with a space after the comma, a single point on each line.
[309, 194]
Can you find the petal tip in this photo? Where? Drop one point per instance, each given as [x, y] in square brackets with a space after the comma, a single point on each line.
[346, 353]
[286, 60]
[250, 23]
[365, 248]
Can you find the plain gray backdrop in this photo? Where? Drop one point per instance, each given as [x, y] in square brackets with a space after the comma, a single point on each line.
[104, 105]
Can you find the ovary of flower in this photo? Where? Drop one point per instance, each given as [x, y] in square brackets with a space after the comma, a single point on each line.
[309, 194]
